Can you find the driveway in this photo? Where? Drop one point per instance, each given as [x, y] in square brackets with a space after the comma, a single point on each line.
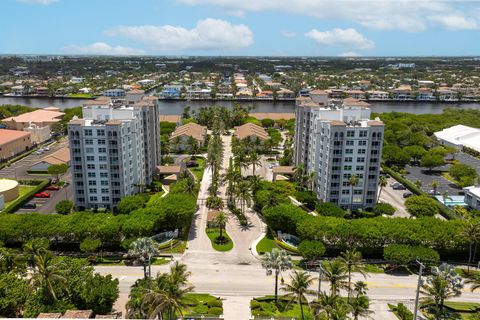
[395, 198]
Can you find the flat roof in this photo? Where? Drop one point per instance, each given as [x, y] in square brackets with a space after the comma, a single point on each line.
[284, 169]
[7, 136]
[169, 169]
[461, 135]
[272, 115]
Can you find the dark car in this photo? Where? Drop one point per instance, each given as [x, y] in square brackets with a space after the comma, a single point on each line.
[191, 164]
[398, 186]
[52, 188]
[407, 194]
[29, 206]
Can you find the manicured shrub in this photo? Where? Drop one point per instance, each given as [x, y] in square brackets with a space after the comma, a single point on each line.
[284, 217]
[421, 206]
[382, 208]
[64, 207]
[400, 254]
[308, 198]
[330, 209]
[215, 311]
[311, 249]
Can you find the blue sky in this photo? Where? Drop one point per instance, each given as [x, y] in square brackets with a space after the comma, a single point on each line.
[241, 27]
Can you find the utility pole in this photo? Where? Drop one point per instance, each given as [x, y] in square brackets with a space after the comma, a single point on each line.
[418, 290]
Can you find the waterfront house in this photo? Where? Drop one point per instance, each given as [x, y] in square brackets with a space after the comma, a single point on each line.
[356, 94]
[425, 94]
[285, 94]
[402, 93]
[445, 94]
[114, 93]
[170, 93]
[376, 95]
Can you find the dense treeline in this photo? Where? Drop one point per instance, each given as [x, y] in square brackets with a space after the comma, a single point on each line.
[372, 235]
[115, 231]
[10, 110]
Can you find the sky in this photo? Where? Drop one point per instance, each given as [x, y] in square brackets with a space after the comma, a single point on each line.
[241, 27]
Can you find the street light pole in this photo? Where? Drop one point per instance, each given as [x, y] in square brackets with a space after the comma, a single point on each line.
[415, 312]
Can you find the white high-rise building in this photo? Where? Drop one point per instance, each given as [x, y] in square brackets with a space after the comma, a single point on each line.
[114, 150]
[336, 140]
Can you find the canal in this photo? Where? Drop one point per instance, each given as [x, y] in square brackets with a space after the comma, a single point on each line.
[176, 106]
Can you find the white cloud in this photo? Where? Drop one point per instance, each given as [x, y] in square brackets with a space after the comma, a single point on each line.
[288, 34]
[41, 2]
[101, 48]
[208, 34]
[455, 22]
[349, 54]
[348, 38]
[406, 15]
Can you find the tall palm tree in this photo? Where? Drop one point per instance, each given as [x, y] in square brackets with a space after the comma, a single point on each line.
[244, 193]
[166, 298]
[145, 249]
[352, 182]
[471, 232]
[382, 182]
[193, 147]
[254, 159]
[221, 219]
[311, 180]
[299, 174]
[360, 307]
[276, 261]
[255, 183]
[298, 288]
[335, 272]
[47, 274]
[352, 259]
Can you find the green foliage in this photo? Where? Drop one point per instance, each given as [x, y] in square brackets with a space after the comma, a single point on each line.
[402, 312]
[214, 202]
[14, 292]
[431, 160]
[64, 207]
[267, 123]
[100, 293]
[10, 110]
[395, 156]
[463, 174]
[400, 254]
[57, 169]
[273, 193]
[371, 235]
[284, 217]
[17, 203]
[90, 245]
[308, 198]
[382, 208]
[166, 128]
[129, 204]
[415, 152]
[311, 249]
[330, 209]
[421, 206]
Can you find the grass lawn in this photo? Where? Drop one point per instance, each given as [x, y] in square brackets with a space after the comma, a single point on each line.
[266, 244]
[213, 234]
[160, 261]
[463, 272]
[374, 268]
[266, 307]
[80, 95]
[203, 304]
[461, 310]
[198, 171]
[22, 190]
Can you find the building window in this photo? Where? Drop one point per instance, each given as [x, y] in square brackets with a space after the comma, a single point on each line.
[350, 134]
[91, 166]
[89, 150]
[362, 143]
[90, 158]
[350, 142]
[347, 167]
[101, 132]
[362, 151]
[103, 167]
[363, 133]
[102, 150]
[88, 141]
[88, 132]
[103, 174]
[105, 191]
[101, 141]
[349, 151]
[92, 190]
[102, 158]
[91, 174]
[345, 191]
[348, 159]
[106, 199]
[104, 183]
[93, 199]
[92, 182]
[360, 159]
[360, 168]
[357, 192]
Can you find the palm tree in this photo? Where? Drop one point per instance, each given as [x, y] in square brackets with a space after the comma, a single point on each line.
[255, 183]
[47, 274]
[193, 146]
[244, 193]
[299, 174]
[298, 288]
[330, 307]
[145, 249]
[255, 160]
[335, 272]
[221, 219]
[352, 259]
[471, 232]
[382, 182]
[442, 284]
[276, 261]
[166, 298]
[360, 307]
[311, 180]
[435, 185]
[352, 182]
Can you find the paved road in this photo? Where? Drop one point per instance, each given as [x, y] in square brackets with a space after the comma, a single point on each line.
[419, 173]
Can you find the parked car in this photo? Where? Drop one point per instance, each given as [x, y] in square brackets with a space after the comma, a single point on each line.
[42, 195]
[38, 152]
[52, 188]
[398, 186]
[29, 205]
[407, 194]
[433, 193]
[54, 181]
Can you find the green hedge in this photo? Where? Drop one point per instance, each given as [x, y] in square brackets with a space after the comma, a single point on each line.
[20, 201]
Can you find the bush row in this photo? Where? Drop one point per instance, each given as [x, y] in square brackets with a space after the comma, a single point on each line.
[20, 201]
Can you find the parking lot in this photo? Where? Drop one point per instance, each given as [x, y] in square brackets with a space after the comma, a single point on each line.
[422, 174]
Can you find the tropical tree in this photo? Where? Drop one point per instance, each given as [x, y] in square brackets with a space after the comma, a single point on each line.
[330, 307]
[352, 260]
[193, 146]
[336, 273]
[299, 174]
[352, 182]
[221, 219]
[166, 298]
[244, 193]
[471, 233]
[361, 303]
[435, 184]
[48, 274]
[311, 180]
[442, 284]
[275, 262]
[254, 159]
[145, 249]
[382, 182]
[298, 288]
[57, 170]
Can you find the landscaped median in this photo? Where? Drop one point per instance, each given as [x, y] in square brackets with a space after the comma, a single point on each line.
[266, 307]
[223, 243]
